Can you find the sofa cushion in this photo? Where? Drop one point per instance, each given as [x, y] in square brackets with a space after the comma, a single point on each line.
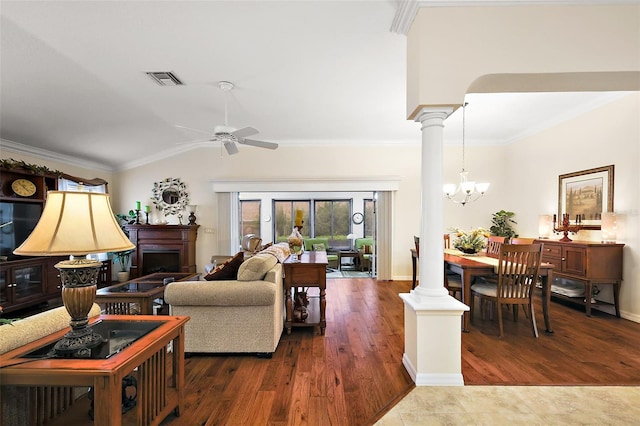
[256, 267]
[319, 247]
[281, 251]
[222, 293]
[227, 270]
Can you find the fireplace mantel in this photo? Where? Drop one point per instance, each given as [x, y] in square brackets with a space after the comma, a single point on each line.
[180, 239]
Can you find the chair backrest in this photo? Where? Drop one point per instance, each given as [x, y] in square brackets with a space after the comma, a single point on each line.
[494, 244]
[361, 242]
[518, 270]
[416, 242]
[520, 240]
[447, 241]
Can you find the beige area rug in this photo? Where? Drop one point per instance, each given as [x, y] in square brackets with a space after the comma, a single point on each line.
[517, 405]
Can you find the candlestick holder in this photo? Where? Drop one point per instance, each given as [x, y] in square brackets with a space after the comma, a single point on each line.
[147, 218]
[137, 217]
[567, 227]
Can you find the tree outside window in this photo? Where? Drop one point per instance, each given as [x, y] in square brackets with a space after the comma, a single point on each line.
[369, 218]
[249, 217]
[284, 213]
[332, 220]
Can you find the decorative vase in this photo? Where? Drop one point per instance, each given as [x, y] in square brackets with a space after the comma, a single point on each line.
[469, 251]
[123, 276]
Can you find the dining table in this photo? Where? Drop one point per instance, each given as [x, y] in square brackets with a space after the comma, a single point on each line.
[471, 266]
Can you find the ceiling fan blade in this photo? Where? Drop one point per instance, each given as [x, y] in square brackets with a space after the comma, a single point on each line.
[244, 132]
[231, 147]
[191, 128]
[260, 144]
[195, 141]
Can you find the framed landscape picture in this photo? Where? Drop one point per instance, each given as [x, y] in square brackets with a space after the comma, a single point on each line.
[586, 195]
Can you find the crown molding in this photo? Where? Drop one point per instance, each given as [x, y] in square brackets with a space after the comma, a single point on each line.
[307, 184]
[18, 148]
[406, 10]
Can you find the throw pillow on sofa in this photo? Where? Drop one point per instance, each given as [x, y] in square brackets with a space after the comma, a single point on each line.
[228, 270]
[319, 247]
[256, 267]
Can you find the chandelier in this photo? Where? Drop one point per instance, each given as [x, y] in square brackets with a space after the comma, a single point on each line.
[466, 191]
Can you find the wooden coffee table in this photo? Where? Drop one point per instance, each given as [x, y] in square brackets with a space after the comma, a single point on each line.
[160, 374]
[122, 298]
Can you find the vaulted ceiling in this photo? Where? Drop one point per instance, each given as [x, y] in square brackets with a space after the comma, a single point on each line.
[74, 82]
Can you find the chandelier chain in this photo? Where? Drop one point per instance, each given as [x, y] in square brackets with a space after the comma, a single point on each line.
[464, 108]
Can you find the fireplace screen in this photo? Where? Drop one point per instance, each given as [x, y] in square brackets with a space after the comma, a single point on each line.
[160, 261]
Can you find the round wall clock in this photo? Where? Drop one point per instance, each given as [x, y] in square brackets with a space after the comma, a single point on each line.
[357, 218]
[23, 187]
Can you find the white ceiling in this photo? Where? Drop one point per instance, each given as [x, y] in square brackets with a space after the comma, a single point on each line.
[73, 78]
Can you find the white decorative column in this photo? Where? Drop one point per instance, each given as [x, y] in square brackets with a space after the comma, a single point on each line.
[432, 318]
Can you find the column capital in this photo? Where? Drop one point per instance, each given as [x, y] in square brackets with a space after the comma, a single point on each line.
[433, 116]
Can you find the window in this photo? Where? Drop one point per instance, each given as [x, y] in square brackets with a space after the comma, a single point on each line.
[249, 217]
[332, 219]
[284, 214]
[369, 218]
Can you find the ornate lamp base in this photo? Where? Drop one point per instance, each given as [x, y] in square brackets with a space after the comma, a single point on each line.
[79, 283]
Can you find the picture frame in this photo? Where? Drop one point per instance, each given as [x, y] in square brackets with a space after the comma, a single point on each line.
[586, 195]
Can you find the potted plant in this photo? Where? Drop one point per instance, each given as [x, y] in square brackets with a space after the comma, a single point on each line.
[502, 224]
[123, 257]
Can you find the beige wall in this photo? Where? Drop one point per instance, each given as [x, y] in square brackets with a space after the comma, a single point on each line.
[523, 176]
[451, 49]
[200, 167]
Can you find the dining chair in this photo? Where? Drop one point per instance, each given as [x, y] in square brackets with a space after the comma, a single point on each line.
[520, 240]
[518, 270]
[494, 244]
[452, 281]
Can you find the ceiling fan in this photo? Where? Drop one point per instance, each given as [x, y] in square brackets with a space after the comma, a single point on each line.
[229, 136]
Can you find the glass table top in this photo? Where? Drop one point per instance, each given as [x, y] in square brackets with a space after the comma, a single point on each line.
[116, 334]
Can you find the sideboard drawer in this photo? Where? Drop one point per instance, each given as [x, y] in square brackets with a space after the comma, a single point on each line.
[552, 250]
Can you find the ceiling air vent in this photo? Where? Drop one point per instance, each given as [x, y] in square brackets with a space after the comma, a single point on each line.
[165, 78]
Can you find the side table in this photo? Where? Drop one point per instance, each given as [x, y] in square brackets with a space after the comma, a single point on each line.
[354, 254]
[309, 271]
[160, 374]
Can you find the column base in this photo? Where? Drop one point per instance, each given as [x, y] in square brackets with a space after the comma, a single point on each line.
[433, 350]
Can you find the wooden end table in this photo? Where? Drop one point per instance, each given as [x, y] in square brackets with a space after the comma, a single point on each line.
[118, 299]
[309, 271]
[160, 383]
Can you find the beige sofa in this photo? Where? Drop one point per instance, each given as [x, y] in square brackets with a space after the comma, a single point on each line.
[233, 316]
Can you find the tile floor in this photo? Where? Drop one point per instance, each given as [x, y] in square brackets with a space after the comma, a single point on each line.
[517, 405]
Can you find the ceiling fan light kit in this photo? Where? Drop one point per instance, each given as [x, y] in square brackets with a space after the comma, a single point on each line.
[228, 136]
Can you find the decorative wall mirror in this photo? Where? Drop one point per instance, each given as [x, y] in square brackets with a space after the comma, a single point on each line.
[170, 196]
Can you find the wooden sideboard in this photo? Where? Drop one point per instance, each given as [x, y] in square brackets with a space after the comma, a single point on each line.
[159, 240]
[587, 262]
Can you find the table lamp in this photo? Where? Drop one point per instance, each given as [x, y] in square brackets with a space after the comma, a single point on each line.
[76, 224]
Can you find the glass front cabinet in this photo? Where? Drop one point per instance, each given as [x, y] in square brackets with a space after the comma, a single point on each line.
[23, 283]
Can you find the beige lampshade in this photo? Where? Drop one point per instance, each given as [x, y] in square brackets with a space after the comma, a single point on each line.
[75, 223]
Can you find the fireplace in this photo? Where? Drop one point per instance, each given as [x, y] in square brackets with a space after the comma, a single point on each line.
[160, 261]
[162, 248]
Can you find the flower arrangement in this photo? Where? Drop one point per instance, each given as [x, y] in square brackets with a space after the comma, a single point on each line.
[472, 241]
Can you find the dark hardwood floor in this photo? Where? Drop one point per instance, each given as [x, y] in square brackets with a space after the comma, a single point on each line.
[353, 375]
